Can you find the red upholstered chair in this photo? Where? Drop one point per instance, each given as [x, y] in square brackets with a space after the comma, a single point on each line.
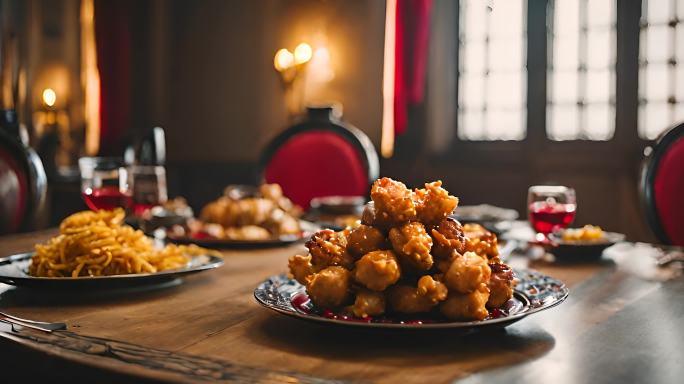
[662, 187]
[320, 156]
[23, 185]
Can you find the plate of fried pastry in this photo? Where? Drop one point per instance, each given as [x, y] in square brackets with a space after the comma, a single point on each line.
[95, 249]
[408, 265]
[244, 216]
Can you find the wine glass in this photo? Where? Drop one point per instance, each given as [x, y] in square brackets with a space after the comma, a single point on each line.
[550, 208]
[149, 187]
[104, 183]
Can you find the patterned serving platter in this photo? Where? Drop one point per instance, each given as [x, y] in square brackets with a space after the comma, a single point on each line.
[534, 292]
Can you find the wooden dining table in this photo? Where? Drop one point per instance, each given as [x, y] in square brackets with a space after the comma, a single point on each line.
[623, 322]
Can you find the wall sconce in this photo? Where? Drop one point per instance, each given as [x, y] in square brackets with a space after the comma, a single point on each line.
[291, 66]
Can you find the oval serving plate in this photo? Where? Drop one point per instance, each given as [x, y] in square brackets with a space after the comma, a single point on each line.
[14, 271]
[308, 229]
[534, 292]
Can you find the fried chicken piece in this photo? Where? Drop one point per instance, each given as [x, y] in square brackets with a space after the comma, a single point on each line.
[247, 232]
[433, 203]
[280, 223]
[371, 218]
[364, 239]
[466, 273]
[500, 285]
[481, 241]
[301, 268]
[272, 192]
[408, 299]
[214, 212]
[368, 303]
[392, 201]
[431, 289]
[377, 270]
[412, 244]
[252, 211]
[329, 288]
[448, 237]
[466, 306]
[329, 248]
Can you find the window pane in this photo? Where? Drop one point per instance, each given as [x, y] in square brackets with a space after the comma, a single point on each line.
[568, 25]
[581, 84]
[564, 86]
[657, 11]
[492, 74]
[563, 122]
[654, 118]
[472, 91]
[596, 118]
[503, 90]
[658, 44]
[656, 84]
[505, 55]
[660, 78]
[566, 53]
[598, 86]
[474, 57]
[600, 48]
[470, 125]
[601, 13]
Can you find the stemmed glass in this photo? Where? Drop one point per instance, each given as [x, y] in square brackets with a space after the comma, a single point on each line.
[104, 183]
[149, 187]
[550, 208]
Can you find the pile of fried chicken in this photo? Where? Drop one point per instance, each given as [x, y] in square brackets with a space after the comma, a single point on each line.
[407, 256]
[266, 215]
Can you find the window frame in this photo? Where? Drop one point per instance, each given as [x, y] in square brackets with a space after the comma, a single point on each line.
[536, 143]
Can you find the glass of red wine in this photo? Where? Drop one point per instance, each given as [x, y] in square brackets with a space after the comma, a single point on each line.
[550, 208]
[104, 183]
[148, 183]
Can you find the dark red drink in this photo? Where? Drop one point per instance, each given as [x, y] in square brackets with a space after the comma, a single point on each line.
[108, 197]
[546, 217]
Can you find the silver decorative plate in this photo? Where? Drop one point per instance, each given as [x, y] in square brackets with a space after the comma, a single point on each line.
[534, 292]
[14, 271]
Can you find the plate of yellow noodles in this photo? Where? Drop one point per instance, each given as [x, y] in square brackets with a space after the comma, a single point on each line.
[95, 248]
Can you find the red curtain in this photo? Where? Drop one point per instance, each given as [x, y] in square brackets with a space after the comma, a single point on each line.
[411, 53]
[113, 40]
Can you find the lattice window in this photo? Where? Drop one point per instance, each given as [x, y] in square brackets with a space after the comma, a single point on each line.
[661, 62]
[581, 71]
[492, 72]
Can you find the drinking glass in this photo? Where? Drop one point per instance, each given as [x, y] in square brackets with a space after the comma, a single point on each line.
[148, 185]
[104, 183]
[550, 208]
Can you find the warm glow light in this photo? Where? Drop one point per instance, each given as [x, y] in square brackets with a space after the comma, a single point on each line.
[49, 97]
[90, 78]
[283, 60]
[387, 140]
[302, 53]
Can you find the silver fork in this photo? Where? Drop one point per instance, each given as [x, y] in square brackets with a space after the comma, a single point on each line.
[37, 325]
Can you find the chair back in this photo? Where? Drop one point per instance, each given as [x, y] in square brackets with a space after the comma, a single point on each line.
[23, 185]
[320, 156]
[662, 186]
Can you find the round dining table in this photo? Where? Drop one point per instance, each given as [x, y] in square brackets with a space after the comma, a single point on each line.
[622, 322]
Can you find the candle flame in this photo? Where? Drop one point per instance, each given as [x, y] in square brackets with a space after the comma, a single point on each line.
[49, 97]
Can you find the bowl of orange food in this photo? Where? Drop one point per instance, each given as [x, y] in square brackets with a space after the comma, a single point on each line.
[582, 244]
[408, 265]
